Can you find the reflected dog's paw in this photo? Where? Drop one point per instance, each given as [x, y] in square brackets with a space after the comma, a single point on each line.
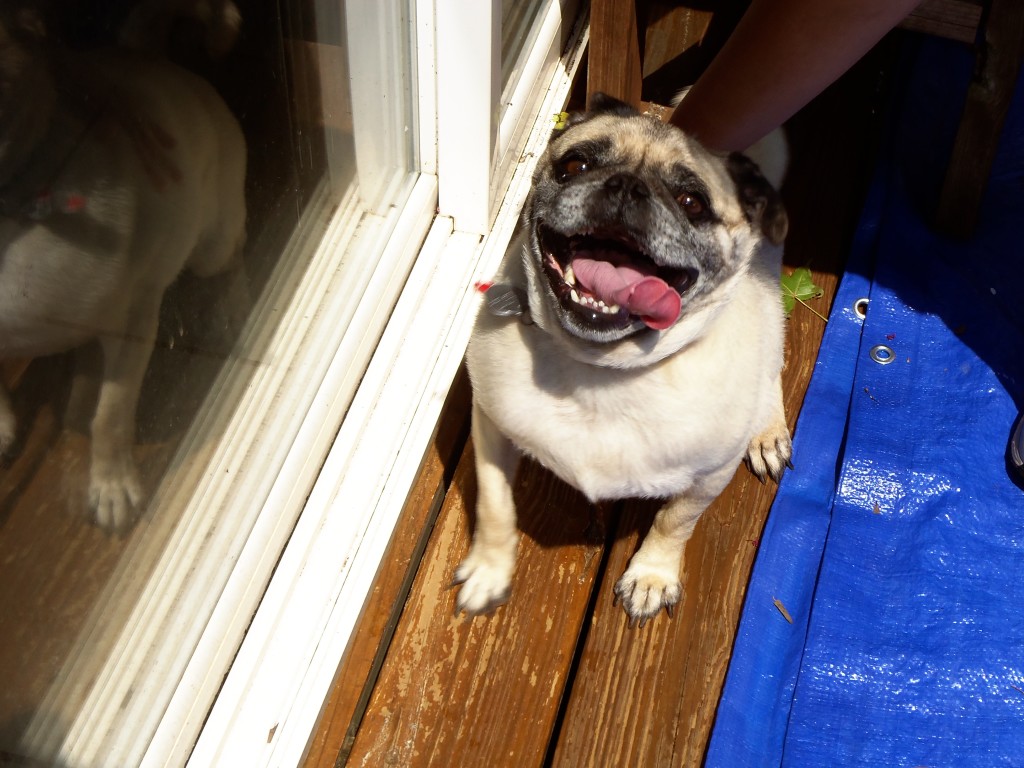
[115, 495]
[8, 431]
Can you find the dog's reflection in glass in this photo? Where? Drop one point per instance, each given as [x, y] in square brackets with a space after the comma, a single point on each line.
[118, 170]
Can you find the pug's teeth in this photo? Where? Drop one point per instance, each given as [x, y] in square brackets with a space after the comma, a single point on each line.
[569, 276]
[593, 303]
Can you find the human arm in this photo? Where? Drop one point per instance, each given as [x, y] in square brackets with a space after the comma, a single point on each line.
[781, 55]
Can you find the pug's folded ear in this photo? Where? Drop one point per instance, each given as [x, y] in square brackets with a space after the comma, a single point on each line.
[760, 201]
[602, 104]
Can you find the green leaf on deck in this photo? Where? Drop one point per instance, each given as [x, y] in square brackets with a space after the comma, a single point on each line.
[799, 286]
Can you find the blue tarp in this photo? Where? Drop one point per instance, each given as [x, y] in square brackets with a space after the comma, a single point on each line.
[897, 544]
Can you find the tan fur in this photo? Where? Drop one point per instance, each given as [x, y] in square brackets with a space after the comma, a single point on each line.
[666, 414]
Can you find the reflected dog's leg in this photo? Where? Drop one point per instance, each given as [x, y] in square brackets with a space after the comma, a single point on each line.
[114, 488]
[8, 424]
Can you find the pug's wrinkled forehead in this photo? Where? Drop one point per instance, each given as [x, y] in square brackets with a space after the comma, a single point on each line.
[613, 133]
[633, 138]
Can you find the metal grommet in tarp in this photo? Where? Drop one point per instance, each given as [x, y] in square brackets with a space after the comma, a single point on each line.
[882, 354]
[860, 307]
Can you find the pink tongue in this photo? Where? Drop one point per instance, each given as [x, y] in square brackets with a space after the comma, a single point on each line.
[647, 296]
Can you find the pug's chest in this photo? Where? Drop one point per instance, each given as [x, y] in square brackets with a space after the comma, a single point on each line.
[619, 437]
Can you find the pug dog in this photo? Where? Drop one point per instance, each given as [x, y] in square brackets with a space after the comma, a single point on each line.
[635, 348]
[118, 170]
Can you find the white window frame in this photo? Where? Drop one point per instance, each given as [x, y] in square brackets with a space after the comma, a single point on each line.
[272, 698]
[316, 529]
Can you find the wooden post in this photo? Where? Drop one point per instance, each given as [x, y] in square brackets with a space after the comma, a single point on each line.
[988, 99]
[613, 64]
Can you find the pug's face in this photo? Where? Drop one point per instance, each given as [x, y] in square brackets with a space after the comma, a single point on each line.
[634, 228]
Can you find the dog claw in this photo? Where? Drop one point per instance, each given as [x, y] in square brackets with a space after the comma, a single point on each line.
[455, 582]
[486, 610]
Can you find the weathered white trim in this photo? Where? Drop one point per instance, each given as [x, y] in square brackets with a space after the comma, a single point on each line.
[272, 698]
[468, 48]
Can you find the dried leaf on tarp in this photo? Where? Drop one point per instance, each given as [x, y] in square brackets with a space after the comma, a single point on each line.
[782, 609]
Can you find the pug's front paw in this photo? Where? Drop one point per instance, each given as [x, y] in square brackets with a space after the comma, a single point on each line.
[486, 579]
[769, 453]
[645, 589]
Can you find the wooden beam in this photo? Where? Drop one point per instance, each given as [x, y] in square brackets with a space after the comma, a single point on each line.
[671, 29]
[953, 19]
[613, 63]
[988, 99]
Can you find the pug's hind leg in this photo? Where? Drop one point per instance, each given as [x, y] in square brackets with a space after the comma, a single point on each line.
[486, 573]
[770, 451]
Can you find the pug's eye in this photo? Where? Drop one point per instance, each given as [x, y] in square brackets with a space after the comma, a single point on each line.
[570, 166]
[693, 205]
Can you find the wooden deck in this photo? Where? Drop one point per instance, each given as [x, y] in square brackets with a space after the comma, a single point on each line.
[556, 677]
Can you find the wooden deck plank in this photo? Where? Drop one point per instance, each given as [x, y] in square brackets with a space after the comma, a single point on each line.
[486, 691]
[955, 19]
[648, 696]
[357, 672]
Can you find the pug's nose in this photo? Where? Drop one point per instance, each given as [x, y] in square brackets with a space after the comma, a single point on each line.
[627, 185]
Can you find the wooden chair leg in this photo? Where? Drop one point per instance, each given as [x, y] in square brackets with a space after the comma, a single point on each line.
[988, 100]
[613, 63]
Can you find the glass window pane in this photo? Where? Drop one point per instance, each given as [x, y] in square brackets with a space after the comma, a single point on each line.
[518, 29]
[168, 169]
